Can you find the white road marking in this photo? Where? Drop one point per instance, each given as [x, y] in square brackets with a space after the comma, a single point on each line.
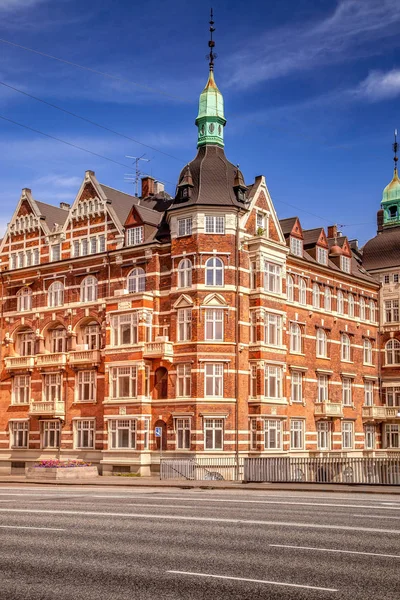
[81, 513]
[334, 550]
[377, 517]
[28, 527]
[280, 583]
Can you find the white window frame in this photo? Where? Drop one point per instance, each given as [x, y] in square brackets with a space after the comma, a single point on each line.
[19, 434]
[297, 434]
[214, 324]
[253, 381]
[322, 388]
[123, 377]
[21, 389]
[184, 324]
[302, 291]
[367, 352]
[272, 329]
[339, 302]
[185, 226]
[296, 246]
[183, 380]
[273, 381]
[347, 435]
[391, 311]
[290, 288]
[26, 342]
[52, 387]
[214, 224]
[321, 343]
[214, 380]
[362, 309]
[272, 434]
[324, 435]
[89, 289]
[55, 294]
[182, 433]
[345, 348]
[136, 281]
[84, 434]
[295, 338]
[369, 437]
[347, 391]
[296, 386]
[86, 385]
[345, 264]
[213, 434]
[322, 256]
[350, 305]
[125, 326]
[24, 299]
[185, 269]
[316, 296]
[392, 436]
[50, 434]
[135, 236]
[327, 299]
[55, 252]
[214, 272]
[122, 427]
[368, 393]
[272, 277]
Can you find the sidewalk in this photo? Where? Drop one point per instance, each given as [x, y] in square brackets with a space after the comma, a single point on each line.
[152, 482]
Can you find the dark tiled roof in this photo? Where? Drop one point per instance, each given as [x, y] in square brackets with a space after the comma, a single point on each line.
[122, 204]
[383, 251]
[52, 214]
[287, 225]
[311, 236]
[213, 179]
[152, 217]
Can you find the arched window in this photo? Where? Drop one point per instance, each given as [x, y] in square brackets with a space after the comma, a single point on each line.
[136, 280]
[362, 309]
[58, 340]
[89, 289]
[315, 295]
[350, 300]
[327, 299]
[92, 335]
[340, 302]
[372, 315]
[322, 343]
[344, 347]
[214, 272]
[295, 337]
[185, 273]
[289, 288]
[24, 299]
[392, 349]
[26, 342]
[302, 291]
[56, 294]
[367, 351]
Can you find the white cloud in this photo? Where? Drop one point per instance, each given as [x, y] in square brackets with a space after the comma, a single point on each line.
[62, 181]
[380, 86]
[16, 4]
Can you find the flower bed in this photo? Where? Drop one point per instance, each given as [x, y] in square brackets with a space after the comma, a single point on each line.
[53, 468]
[62, 464]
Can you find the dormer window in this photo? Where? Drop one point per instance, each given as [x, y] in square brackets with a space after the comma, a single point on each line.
[322, 256]
[392, 212]
[296, 246]
[134, 236]
[260, 220]
[345, 264]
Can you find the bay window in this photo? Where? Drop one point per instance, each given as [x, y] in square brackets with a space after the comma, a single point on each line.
[214, 378]
[214, 327]
[273, 381]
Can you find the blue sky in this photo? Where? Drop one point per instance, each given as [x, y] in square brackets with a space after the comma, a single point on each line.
[311, 89]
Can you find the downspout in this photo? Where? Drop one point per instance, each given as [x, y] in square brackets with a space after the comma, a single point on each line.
[237, 333]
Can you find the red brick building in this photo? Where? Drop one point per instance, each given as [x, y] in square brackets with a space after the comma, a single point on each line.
[203, 314]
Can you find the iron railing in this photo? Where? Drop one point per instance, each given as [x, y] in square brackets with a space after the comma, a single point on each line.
[202, 468]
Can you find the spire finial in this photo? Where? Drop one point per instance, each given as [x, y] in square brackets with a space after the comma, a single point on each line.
[211, 44]
[395, 149]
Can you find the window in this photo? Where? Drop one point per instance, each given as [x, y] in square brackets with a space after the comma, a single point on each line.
[322, 256]
[302, 292]
[368, 393]
[323, 435]
[315, 295]
[289, 288]
[253, 381]
[183, 380]
[347, 392]
[93, 245]
[92, 336]
[26, 343]
[253, 327]
[296, 386]
[24, 299]
[272, 434]
[392, 350]
[89, 289]
[102, 243]
[125, 329]
[296, 434]
[50, 434]
[214, 377]
[260, 220]
[84, 433]
[215, 224]
[148, 324]
[76, 248]
[123, 382]
[136, 280]
[296, 246]
[214, 272]
[84, 247]
[86, 386]
[392, 436]
[13, 261]
[350, 302]
[345, 264]
[21, 389]
[340, 303]
[55, 252]
[362, 309]
[273, 381]
[52, 387]
[386, 279]
[369, 437]
[322, 344]
[19, 434]
[56, 294]
[372, 311]
[185, 273]
[391, 311]
[367, 352]
[253, 434]
[345, 347]
[58, 340]
[327, 299]
[184, 324]
[395, 278]
[272, 278]
[392, 396]
[295, 338]
[214, 329]
[322, 388]
[272, 329]
[347, 435]
[214, 434]
[182, 429]
[122, 433]
[185, 226]
[134, 236]
[253, 275]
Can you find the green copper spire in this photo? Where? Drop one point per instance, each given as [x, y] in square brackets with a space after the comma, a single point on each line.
[210, 120]
[391, 194]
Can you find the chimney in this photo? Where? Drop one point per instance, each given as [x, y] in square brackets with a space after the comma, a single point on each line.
[379, 219]
[158, 187]
[147, 186]
[65, 205]
[332, 232]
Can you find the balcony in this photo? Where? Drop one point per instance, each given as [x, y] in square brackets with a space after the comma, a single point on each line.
[159, 349]
[55, 408]
[84, 357]
[58, 359]
[19, 362]
[328, 409]
[380, 412]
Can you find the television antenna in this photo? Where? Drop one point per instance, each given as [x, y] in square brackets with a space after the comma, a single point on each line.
[134, 177]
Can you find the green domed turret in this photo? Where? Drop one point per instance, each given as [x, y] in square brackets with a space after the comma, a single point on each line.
[210, 120]
[391, 195]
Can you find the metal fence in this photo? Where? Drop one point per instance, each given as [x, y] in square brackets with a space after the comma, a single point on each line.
[202, 469]
[287, 469]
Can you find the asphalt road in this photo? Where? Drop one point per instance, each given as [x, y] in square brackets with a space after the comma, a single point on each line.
[85, 543]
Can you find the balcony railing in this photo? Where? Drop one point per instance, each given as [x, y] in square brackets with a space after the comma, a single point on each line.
[19, 362]
[58, 359]
[84, 357]
[328, 409]
[161, 349]
[55, 408]
[380, 412]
